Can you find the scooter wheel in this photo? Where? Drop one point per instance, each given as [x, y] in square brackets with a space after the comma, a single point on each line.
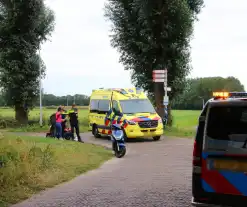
[121, 152]
[68, 138]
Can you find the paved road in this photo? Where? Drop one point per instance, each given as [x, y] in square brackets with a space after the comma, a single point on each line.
[152, 174]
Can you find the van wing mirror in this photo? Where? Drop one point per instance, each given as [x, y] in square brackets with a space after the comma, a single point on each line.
[202, 119]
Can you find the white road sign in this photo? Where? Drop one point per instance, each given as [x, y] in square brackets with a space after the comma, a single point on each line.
[166, 100]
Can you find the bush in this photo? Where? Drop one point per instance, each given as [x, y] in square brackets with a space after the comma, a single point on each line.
[31, 164]
[6, 122]
[22, 166]
[10, 122]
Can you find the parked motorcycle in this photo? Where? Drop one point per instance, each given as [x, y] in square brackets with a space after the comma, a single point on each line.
[118, 143]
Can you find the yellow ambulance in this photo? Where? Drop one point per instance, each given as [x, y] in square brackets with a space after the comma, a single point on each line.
[129, 107]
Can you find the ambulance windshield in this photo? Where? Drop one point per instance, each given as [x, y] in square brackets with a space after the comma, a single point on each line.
[133, 106]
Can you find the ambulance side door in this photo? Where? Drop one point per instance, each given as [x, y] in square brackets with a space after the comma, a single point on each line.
[104, 106]
[93, 112]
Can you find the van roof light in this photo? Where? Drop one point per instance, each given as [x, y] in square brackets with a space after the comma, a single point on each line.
[220, 94]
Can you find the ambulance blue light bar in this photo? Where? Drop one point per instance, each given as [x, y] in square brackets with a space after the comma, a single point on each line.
[139, 90]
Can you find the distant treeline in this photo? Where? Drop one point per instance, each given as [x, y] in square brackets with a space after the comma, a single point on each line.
[196, 92]
[200, 90]
[52, 100]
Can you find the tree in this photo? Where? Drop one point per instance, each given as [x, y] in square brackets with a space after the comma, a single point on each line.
[24, 26]
[154, 35]
[200, 89]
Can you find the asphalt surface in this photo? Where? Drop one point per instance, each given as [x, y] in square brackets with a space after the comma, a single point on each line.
[152, 174]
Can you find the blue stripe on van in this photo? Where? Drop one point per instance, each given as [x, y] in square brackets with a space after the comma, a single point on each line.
[237, 179]
[207, 187]
[206, 154]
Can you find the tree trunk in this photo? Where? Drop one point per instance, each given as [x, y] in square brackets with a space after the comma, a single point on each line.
[159, 97]
[170, 117]
[21, 115]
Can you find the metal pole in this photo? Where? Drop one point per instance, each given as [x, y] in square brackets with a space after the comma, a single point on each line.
[165, 88]
[40, 92]
[165, 83]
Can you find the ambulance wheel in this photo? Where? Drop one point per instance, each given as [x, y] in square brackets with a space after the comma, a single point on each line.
[95, 130]
[157, 138]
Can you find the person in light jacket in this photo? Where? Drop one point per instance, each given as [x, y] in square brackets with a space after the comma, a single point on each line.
[59, 121]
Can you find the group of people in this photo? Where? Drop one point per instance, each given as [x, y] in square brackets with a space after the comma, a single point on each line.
[61, 118]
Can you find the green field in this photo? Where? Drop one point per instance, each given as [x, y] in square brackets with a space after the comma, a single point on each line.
[184, 121]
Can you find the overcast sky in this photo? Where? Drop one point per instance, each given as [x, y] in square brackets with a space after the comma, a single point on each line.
[79, 57]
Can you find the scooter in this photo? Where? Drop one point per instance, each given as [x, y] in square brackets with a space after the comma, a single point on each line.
[118, 144]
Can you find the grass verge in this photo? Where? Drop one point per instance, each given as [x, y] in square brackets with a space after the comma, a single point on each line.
[32, 164]
[180, 132]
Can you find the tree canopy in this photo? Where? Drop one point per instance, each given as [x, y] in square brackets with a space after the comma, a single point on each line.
[200, 89]
[154, 35]
[24, 26]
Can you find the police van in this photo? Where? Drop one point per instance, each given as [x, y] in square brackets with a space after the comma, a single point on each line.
[129, 107]
[219, 175]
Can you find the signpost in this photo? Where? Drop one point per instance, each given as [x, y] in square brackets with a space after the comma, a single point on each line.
[166, 100]
[160, 76]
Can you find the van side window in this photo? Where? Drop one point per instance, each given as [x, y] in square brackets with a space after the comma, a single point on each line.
[204, 111]
[104, 106]
[201, 125]
[115, 106]
[94, 105]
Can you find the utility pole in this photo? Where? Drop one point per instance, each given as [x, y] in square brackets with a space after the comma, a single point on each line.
[67, 100]
[40, 92]
[74, 99]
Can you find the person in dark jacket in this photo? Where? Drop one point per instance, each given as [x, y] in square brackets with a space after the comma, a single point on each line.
[74, 123]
